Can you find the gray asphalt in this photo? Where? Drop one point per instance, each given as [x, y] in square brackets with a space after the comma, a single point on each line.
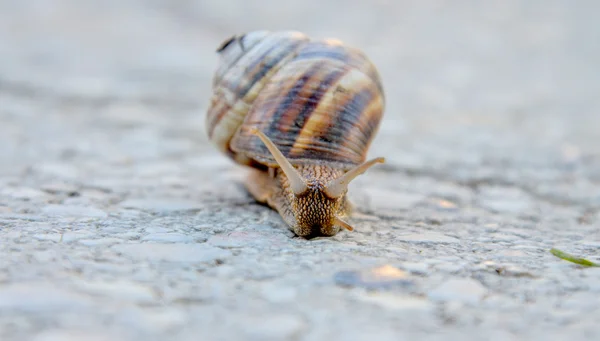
[119, 221]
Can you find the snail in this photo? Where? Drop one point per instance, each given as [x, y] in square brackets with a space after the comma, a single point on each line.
[302, 114]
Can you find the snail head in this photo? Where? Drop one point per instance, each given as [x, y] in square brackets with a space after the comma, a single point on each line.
[318, 192]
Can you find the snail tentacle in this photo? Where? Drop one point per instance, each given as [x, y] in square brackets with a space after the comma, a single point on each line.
[297, 184]
[343, 224]
[337, 187]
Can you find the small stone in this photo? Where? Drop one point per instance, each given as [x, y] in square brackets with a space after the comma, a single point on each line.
[463, 290]
[121, 290]
[73, 211]
[172, 252]
[168, 238]
[428, 238]
[443, 204]
[274, 327]
[162, 206]
[383, 277]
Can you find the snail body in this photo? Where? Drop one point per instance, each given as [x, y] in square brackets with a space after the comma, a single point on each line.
[302, 113]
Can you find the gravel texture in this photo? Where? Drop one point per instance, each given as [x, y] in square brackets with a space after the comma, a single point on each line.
[119, 221]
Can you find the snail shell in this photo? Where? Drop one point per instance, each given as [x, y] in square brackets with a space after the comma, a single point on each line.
[315, 105]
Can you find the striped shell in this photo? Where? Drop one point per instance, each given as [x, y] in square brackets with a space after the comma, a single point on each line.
[318, 101]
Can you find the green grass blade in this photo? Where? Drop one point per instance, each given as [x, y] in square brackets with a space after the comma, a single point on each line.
[573, 259]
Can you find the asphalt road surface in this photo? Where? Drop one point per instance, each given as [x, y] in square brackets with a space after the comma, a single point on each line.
[119, 221]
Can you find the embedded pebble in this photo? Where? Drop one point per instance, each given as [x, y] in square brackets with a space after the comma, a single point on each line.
[463, 290]
[73, 211]
[172, 252]
[444, 205]
[382, 277]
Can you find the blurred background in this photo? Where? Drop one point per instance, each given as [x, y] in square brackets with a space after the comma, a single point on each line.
[491, 70]
[506, 84]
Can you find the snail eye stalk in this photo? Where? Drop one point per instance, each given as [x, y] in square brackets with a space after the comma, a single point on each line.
[335, 188]
[296, 182]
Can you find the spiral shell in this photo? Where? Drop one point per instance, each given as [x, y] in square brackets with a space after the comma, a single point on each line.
[319, 101]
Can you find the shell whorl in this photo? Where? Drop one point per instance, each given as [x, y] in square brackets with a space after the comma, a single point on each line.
[318, 101]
